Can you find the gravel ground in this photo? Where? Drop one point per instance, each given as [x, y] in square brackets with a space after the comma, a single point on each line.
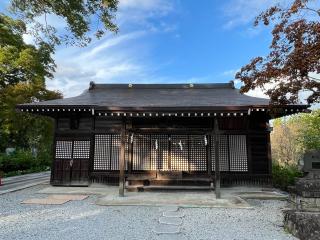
[82, 220]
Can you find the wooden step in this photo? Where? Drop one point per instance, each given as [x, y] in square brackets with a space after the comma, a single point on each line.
[140, 177]
[182, 182]
[141, 188]
[134, 188]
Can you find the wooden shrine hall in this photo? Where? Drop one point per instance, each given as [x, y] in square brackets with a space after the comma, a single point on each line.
[150, 135]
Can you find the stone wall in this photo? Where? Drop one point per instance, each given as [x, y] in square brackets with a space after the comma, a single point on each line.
[304, 225]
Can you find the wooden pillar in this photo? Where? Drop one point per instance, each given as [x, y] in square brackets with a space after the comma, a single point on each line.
[130, 145]
[269, 154]
[122, 160]
[53, 173]
[217, 160]
[248, 140]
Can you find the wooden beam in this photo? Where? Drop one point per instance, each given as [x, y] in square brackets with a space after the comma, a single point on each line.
[122, 160]
[216, 152]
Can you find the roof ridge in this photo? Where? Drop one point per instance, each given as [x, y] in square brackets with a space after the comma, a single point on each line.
[161, 85]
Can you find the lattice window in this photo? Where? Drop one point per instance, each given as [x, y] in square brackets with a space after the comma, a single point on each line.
[115, 151]
[238, 153]
[107, 152]
[159, 152]
[63, 149]
[141, 152]
[223, 153]
[197, 153]
[232, 153]
[81, 149]
[126, 151]
[179, 153]
[102, 153]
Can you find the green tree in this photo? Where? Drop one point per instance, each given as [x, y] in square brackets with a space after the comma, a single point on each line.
[82, 17]
[23, 71]
[286, 149]
[309, 135]
[20, 62]
[293, 136]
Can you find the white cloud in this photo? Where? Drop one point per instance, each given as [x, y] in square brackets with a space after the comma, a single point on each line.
[49, 19]
[140, 13]
[242, 12]
[53, 20]
[257, 92]
[105, 60]
[111, 42]
[28, 39]
[230, 73]
[149, 7]
[116, 58]
[146, 5]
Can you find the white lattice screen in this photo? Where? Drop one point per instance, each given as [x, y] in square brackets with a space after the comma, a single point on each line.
[238, 153]
[159, 152]
[81, 149]
[102, 152]
[141, 158]
[67, 149]
[63, 149]
[197, 153]
[179, 153]
[170, 152]
[107, 152]
[232, 153]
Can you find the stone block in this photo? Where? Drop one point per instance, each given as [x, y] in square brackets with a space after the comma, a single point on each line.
[304, 225]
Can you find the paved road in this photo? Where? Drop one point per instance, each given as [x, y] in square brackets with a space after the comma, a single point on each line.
[23, 181]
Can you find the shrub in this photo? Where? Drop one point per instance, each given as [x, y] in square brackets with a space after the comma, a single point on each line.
[284, 176]
[22, 162]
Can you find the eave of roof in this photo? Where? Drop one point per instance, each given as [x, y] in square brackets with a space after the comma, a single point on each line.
[161, 97]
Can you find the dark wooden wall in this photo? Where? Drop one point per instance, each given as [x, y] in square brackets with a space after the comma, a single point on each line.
[85, 127]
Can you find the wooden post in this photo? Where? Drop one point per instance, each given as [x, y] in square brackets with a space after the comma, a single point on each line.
[248, 141]
[122, 160]
[130, 146]
[53, 173]
[216, 152]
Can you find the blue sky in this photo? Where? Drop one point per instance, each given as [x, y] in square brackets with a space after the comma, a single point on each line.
[165, 41]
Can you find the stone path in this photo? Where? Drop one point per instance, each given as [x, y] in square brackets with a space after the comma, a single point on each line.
[12, 184]
[169, 223]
